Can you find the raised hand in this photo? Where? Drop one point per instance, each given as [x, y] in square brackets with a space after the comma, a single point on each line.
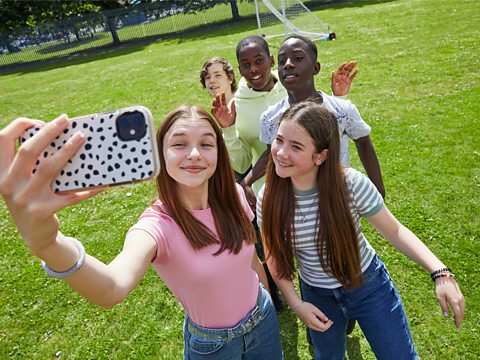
[225, 117]
[343, 77]
[28, 196]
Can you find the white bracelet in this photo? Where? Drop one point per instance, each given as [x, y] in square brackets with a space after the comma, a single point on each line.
[60, 275]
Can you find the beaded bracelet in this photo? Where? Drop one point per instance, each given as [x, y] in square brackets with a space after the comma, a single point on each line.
[61, 274]
[440, 271]
[446, 274]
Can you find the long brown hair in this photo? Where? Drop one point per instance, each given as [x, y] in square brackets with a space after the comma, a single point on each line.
[337, 242]
[231, 221]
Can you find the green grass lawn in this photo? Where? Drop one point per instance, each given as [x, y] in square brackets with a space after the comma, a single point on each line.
[419, 89]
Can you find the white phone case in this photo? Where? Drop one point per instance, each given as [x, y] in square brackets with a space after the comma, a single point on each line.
[108, 157]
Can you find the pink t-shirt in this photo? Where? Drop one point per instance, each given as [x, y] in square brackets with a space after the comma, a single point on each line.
[215, 291]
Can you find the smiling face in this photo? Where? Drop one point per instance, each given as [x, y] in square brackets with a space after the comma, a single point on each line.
[293, 153]
[255, 66]
[190, 152]
[296, 65]
[217, 80]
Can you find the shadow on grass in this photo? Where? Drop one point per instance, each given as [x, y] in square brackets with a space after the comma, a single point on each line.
[74, 59]
[64, 45]
[247, 24]
[289, 332]
[353, 348]
[111, 51]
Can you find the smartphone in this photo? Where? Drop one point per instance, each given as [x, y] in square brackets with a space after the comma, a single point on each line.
[120, 148]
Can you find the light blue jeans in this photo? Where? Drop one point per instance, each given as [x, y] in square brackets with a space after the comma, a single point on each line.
[377, 307]
[255, 337]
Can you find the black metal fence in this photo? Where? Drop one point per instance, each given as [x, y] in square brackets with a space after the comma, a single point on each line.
[83, 34]
[79, 34]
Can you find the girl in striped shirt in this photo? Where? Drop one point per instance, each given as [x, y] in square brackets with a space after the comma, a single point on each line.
[309, 211]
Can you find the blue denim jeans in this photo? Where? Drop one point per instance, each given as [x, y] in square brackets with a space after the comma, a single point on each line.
[377, 307]
[255, 337]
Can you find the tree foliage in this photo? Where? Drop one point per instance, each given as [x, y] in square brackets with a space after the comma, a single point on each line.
[15, 14]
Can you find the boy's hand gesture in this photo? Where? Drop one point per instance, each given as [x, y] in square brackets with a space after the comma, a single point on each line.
[343, 77]
[225, 117]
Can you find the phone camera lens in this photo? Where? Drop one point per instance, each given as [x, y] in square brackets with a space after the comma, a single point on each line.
[131, 126]
[137, 120]
[123, 121]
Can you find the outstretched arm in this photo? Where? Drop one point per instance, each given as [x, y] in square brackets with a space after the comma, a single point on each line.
[447, 289]
[33, 205]
[343, 78]
[368, 157]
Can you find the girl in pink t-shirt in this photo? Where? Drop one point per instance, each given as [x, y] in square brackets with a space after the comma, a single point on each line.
[198, 235]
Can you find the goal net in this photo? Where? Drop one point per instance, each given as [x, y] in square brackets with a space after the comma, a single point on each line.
[286, 17]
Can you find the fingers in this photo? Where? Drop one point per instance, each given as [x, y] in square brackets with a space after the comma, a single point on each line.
[443, 305]
[319, 321]
[341, 68]
[216, 102]
[314, 318]
[458, 312]
[320, 326]
[448, 293]
[52, 166]
[21, 181]
[349, 67]
[346, 67]
[458, 309]
[9, 136]
[74, 198]
[33, 148]
[351, 77]
[320, 315]
[219, 100]
[458, 306]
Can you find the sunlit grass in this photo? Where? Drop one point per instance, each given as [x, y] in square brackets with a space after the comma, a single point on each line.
[418, 87]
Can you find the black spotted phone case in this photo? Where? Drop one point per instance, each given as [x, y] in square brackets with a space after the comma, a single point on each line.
[120, 148]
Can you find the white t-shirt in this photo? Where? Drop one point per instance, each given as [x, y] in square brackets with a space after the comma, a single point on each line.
[350, 123]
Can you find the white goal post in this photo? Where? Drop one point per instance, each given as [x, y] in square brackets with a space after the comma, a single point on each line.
[285, 17]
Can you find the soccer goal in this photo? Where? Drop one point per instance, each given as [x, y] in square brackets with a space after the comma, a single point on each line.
[285, 17]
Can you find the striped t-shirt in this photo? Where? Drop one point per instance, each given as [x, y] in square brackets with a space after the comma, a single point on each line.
[365, 201]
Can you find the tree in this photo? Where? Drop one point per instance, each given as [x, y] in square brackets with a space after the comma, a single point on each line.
[16, 14]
